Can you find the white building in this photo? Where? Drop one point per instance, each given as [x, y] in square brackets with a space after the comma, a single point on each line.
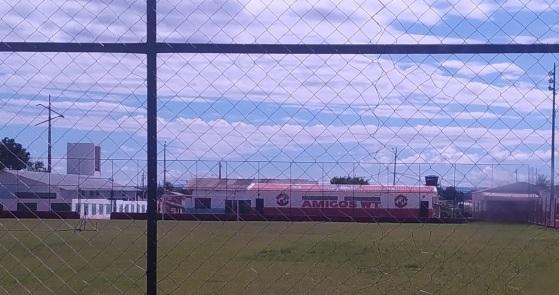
[83, 159]
[102, 208]
[41, 191]
[304, 198]
[215, 195]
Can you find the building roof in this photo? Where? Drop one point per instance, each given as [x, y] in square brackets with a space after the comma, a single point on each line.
[236, 183]
[518, 188]
[70, 181]
[342, 187]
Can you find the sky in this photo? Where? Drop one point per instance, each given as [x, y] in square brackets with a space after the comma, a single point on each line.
[474, 120]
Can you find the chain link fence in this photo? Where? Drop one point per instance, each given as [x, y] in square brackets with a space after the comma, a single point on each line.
[244, 146]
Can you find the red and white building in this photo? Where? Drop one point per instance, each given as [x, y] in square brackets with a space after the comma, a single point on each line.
[397, 201]
[282, 198]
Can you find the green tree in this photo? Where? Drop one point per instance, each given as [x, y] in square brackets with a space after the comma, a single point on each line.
[348, 180]
[37, 166]
[450, 193]
[542, 181]
[13, 155]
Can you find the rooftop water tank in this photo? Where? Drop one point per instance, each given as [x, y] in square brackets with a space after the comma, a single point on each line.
[431, 180]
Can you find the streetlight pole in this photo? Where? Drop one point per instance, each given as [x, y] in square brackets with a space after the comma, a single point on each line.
[552, 190]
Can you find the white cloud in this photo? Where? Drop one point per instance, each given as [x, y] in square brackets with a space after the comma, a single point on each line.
[343, 80]
[77, 106]
[241, 21]
[475, 9]
[223, 139]
[106, 92]
[523, 39]
[83, 21]
[507, 70]
[535, 6]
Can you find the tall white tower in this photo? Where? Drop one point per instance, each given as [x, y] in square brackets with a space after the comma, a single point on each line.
[83, 159]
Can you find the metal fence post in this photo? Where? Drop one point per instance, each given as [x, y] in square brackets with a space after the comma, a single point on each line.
[151, 274]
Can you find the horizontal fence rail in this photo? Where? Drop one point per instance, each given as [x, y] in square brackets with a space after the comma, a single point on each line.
[162, 47]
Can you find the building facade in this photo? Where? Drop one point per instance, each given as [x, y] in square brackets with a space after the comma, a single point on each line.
[42, 191]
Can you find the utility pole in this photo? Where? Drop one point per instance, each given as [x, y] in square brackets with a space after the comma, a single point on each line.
[49, 120]
[454, 190]
[165, 166]
[395, 160]
[164, 180]
[551, 87]
[143, 186]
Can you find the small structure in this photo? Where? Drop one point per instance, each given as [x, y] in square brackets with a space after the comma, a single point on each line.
[173, 202]
[102, 208]
[546, 209]
[510, 203]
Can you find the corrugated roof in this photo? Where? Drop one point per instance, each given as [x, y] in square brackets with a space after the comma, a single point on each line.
[71, 181]
[514, 188]
[235, 183]
[342, 187]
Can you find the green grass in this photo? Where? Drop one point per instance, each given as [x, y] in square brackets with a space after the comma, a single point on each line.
[279, 258]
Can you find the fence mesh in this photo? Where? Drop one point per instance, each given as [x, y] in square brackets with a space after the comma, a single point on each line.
[299, 149]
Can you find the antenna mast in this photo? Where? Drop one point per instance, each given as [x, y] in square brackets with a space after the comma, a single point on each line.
[49, 121]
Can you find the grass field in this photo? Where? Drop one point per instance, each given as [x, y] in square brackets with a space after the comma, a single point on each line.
[38, 256]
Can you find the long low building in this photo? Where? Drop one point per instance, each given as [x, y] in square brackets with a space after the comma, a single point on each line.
[40, 191]
[513, 202]
[305, 198]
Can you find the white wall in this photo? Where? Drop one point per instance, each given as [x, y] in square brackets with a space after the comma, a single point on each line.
[295, 198]
[102, 208]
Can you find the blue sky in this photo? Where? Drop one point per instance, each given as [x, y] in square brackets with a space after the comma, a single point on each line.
[489, 114]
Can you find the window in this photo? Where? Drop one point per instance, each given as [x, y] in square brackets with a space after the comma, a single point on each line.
[320, 198]
[363, 199]
[143, 208]
[133, 208]
[101, 209]
[126, 207]
[108, 209]
[97, 158]
[60, 207]
[26, 207]
[93, 209]
[202, 203]
[120, 208]
[34, 195]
